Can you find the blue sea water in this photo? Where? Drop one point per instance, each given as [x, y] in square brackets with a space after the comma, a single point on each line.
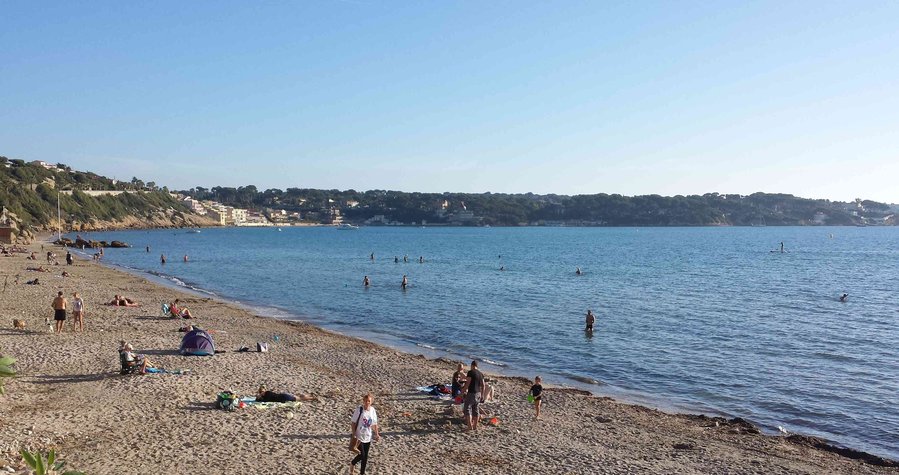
[702, 320]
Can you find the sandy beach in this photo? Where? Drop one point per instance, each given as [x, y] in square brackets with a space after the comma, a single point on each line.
[69, 396]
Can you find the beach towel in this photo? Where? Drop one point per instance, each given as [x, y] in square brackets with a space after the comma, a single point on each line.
[437, 391]
[251, 401]
[168, 371]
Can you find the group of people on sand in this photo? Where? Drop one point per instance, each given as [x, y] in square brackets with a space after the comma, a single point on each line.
[61, 307]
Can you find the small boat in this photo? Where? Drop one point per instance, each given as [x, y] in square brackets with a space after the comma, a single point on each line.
[193, 231]
[346, 227]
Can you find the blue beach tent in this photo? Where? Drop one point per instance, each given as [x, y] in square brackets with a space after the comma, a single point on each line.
[198, 343]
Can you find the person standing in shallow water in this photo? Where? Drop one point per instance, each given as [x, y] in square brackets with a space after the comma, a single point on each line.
[405, 282]
[366, 282]
[590, 320]
[162, 258]
[364, 428]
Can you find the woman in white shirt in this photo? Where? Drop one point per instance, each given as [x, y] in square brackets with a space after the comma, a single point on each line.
[365, 424]
[78, 312]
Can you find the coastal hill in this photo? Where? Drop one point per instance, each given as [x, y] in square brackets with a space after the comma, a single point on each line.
[87, 201]
[400, 208]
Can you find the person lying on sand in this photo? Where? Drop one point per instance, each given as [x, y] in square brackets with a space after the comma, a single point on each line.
[122, 301]
[264, 395]
[176, 310]
[38, 269]
[132, 362]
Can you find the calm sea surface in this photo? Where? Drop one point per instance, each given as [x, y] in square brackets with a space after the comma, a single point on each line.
[688, 319]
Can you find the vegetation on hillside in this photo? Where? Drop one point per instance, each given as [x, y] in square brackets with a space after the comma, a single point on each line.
[586, 210]
[30, 192]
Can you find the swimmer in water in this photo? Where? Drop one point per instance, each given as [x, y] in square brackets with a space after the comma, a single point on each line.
[844, 297]
[162, 258]
[591, 319]
[185, 258]
[372, 257]
[502, 268]
[396, 260]
[421, 259]
[405, 282]
[366, 282]
[578, 271]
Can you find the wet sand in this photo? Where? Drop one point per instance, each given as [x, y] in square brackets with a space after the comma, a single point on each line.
[69, 396]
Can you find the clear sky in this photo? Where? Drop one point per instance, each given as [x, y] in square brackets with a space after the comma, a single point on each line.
[503, 96]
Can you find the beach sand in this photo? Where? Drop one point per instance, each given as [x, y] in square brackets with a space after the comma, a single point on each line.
[69, 396]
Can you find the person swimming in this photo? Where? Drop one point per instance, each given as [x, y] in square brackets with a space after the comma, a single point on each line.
[578, 271]
[844, 297]
[366, 282]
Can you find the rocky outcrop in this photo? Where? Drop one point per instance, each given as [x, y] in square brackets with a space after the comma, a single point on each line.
[159, 219]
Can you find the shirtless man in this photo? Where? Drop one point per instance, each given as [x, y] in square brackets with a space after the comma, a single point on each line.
[59, 311]
[591, 319]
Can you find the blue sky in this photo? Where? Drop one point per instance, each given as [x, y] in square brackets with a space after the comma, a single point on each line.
[502, 96]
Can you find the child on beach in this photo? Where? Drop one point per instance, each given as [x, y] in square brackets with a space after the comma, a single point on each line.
[365, 423]
[536, 394]
[77, 312]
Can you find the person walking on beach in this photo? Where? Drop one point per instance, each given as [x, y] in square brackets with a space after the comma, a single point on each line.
[69, 258]
[474, 384]
[405, 282]
[366, 281]
[591, 319]
[59, 311]
[77, 312]
[365, 425]
[536, 393]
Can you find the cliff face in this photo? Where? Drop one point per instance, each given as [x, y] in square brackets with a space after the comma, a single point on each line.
[160, 219]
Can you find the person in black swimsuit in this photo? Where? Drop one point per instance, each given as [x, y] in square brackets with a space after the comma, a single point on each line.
[537, 392]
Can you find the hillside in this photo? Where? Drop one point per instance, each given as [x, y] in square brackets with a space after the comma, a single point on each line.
[395, 207]
[87, 201]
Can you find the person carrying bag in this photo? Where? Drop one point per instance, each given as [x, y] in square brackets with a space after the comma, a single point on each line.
[365, 427]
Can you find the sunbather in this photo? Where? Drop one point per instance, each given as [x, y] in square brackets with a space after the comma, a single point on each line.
[122, 301]
[132, 362]
[264, 395]
[177, 311]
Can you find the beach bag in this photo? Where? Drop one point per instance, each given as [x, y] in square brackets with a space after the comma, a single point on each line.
[262, 347]
[354, 442]
[227, 401]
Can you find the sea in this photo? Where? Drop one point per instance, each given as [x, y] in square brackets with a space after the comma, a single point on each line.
[711, 320]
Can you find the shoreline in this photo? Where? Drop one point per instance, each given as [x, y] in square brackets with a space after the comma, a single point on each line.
[572, 382]
[630, 437]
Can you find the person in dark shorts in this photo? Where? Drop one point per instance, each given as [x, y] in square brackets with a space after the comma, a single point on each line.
[474, 385]
[537, 393]
[590, 320]
[59, 311]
